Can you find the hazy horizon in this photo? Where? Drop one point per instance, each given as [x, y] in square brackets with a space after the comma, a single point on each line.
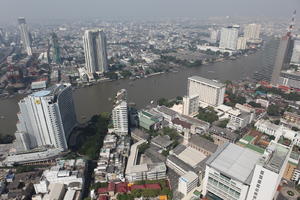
[38, 10]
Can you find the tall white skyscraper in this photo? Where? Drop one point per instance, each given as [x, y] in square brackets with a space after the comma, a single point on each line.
[229, 37]
[252, 31]
[120, 113]
[46, 117]
[25, 37]
[94, 42]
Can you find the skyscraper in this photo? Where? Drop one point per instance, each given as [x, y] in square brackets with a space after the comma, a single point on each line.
[283, 58]
[120, 113]
[46, 117]
[229, 36]
[25, 36]
[55, 49]
[252, 32]
[94, 42]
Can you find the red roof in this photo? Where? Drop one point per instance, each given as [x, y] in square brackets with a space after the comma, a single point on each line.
[103, 197]
[111, 187]
[138, 187]
[122, 188]
[154, 186]
[282, 87]
[102, 190]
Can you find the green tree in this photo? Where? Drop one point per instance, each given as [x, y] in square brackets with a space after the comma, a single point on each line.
[273, 110]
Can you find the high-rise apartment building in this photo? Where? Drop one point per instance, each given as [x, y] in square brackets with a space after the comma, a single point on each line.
[46, 117]
[94, 43]
[252, 32]
[25, 35]
[120, 113]
[241, 43]
[214, 36]
[229, 36]
[237, 173]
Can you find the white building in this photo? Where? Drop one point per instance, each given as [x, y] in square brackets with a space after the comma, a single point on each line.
[296, 53]
[210, 92]
[277, 131]
[214, 36]
[25, 36]
[47, 117]
[94, 43]
[237, 173]
[252, 32]
[241, 43]
[187, 182]
[137, 172]
[120, 113]
[191, 105]
[229, 37]
[268, 172]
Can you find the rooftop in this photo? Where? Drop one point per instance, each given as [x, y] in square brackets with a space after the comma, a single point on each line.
[234, 161]
[189, 176]
[274, 157]
[203, 143]
[207, 81]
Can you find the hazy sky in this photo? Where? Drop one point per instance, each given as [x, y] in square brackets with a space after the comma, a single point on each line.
[80, 9]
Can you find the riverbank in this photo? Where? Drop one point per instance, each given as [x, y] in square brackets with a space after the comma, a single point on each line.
[95, 99]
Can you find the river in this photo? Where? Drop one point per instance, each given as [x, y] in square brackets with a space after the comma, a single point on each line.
[95, 99]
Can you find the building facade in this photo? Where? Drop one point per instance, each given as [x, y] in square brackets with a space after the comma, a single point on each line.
[187, 182]
[241, 43]
[210, 92]
[252, 32]
[94, 43]
[229, 37]
[47, 117]
[120, 113]
[25, 35]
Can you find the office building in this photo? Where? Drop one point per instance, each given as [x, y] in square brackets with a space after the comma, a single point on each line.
[25, 35]
[268, 172]
[283, 58]
[296, 53]
[268, 57]
[290, 79]
[229, 37]
[94, 43]
[47, 117]
[120, 113]
[237, 173]
[241, 43]
[252, 32]
[210, 92]
[187, 182]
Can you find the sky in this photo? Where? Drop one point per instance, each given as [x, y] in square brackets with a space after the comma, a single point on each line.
[10, 10]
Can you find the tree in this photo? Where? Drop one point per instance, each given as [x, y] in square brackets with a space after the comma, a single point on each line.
[254, 104]
[295, 128]
[273, 110]
[223, 123]
[271, 137]
[208, 115]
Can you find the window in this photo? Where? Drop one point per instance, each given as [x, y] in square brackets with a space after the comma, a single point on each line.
[262, 172]
[257, 185]
[260, 176]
